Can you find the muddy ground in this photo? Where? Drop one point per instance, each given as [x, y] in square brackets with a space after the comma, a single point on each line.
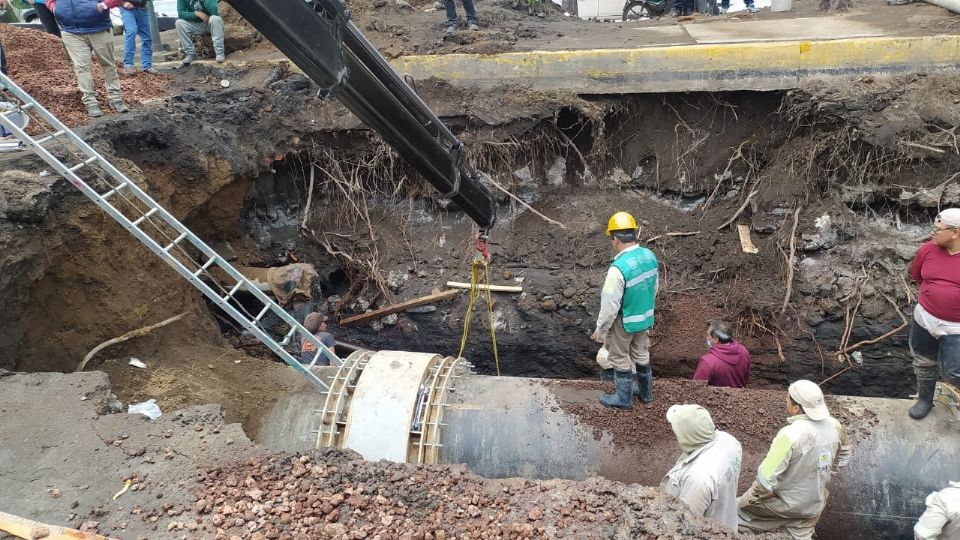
[194, 476]
[854, 159]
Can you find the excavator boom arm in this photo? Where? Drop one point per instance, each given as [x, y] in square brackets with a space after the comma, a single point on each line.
[318, 36]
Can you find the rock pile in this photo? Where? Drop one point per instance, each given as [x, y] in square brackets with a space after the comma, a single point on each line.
[336, 495]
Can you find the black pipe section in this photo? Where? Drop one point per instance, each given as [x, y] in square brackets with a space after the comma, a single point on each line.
[320, 39]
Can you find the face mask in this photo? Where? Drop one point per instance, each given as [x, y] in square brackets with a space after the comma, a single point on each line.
[709, 344]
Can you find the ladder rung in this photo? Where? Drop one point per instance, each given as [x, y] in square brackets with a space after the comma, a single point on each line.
[175, 242]
[263, 312]
[114, 191]
[49, 138]
[144, 217]
[233, 290]
[83, 164]
[206, 265]
[26, 107]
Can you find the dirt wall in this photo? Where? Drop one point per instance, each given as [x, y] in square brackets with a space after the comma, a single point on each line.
[684, 164]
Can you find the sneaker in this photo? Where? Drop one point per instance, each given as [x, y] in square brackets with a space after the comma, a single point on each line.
[724, 9]
[451, 30]
[151, 71]
[752, 9]
[220, 58]
[473, 26]
[94, 111]
[188, 59]
[129, 70]
[119, 106]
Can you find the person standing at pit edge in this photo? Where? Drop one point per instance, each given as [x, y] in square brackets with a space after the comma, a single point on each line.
[935, 328]
[85, 28]
[790, 491]
[453, 21]
[626, 314]
[136, 22]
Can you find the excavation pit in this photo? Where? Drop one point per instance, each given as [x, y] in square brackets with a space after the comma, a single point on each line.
[854, 158]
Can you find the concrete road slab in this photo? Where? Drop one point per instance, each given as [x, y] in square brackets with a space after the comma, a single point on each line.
[784, 30]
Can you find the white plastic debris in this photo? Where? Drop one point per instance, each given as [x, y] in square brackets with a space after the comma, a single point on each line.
[148, 408]
[224, 83]
[135, 362]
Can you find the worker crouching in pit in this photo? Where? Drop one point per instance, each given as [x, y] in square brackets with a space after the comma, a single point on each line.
[707, 472]
[626, 314]
[790, 491]
[316, 324]
[935, 328]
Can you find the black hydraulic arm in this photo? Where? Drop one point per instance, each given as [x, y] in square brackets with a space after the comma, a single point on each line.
[318, 36]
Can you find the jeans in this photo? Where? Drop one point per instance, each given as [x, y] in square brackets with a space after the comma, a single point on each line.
[47, 19]
[453, 20]
[79, 47]
[136, 22]
[3, 61]
[187, 29]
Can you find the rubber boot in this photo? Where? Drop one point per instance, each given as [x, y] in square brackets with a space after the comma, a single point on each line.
[621, 399]
[926, 386]
[607, 375]
[643, 384]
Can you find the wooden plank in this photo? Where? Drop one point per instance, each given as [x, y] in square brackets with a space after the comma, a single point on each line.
[482, 287]
[394, 308]
[745, 243]
[28, 528]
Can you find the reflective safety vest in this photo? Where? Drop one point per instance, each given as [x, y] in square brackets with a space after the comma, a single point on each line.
[639, 269]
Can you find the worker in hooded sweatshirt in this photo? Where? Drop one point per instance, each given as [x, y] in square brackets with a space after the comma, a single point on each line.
[727, 361]
[935, 326]
[941, 521]
[626, 314]
[790, 491]
[707, 472]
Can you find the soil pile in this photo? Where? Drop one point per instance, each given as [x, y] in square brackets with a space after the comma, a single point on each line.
[334, 494]
[40, 65]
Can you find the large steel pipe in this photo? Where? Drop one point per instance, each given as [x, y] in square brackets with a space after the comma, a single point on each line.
[504, 426]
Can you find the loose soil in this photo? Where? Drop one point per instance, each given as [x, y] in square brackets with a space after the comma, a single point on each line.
[40, 65]
[192, 475]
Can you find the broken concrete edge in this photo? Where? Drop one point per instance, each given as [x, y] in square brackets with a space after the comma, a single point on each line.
[757, 65]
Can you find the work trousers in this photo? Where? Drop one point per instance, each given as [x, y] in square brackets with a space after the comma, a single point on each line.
[79, 47]
[755, 518]
[468, 9]
[931, 354]
[136, 22]
[3, 61]
[47, 19]
[626, 349]
[187, 29]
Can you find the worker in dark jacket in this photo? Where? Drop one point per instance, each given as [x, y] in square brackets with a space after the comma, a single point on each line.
[85, 27]
[727, 361]
[136, 22]
[199, 17]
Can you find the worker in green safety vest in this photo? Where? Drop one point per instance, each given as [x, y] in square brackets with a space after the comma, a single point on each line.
[626, 314]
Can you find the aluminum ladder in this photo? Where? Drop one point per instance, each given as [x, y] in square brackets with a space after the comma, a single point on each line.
[156, 228]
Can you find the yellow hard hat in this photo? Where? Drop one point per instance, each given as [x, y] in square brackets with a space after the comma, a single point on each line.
[621, 221]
